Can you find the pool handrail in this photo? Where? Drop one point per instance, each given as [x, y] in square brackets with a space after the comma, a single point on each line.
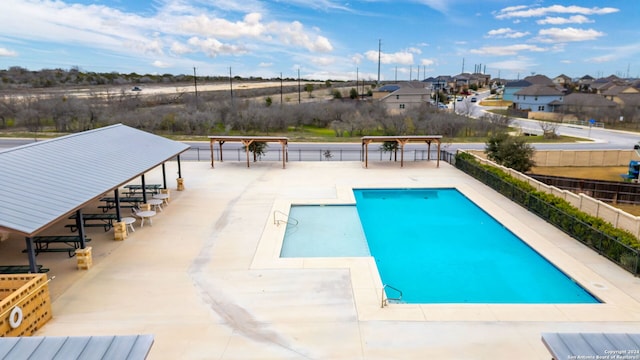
[277, 222]
[385, 300]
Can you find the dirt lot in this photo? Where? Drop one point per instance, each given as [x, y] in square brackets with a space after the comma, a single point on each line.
[611, 173]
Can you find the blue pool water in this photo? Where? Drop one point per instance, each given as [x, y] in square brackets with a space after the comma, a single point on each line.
[437, 246]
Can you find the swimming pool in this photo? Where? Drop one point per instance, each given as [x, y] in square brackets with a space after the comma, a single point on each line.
[437, 246]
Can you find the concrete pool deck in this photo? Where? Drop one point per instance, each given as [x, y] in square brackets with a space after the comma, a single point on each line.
[207, 281]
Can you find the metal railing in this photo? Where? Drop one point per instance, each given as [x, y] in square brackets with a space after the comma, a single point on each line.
[385, 300]
[289, 219]
[320, 154]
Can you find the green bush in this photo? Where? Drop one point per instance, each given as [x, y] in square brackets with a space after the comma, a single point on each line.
[619, 245]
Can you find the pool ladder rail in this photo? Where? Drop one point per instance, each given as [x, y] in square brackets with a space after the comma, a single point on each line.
[385, 300]
[289, 220]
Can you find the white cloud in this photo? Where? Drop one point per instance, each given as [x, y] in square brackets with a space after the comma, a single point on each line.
[4, 52]
[293, 34]
[527, 12]
[519, 65]
[322, 61]
[265, 65]
[212, 47]
[427, 62]
[402, 57]
[251, 26]
[506, 50]
[576, 19]
[506, 33]
[357, 58]
[601, 59]
[568, 35]
[161, 64]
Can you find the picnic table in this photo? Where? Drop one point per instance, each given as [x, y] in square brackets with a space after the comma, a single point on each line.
[20, 269]
[61, 243]
[94, 220]
[155, 188]
[110, 202]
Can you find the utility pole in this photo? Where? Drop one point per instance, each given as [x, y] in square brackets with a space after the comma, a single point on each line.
[231, 86]
[462, 66]
[299, 86]
[280, 89]
[379, 47]
[195, 85]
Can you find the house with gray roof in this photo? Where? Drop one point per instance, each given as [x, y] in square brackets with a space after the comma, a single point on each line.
[511, 87]
[406, 97]
[536, 98]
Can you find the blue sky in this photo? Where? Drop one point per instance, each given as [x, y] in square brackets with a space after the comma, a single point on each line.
[324, 39]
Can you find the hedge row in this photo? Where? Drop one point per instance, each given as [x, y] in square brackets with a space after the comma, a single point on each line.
[619, 245]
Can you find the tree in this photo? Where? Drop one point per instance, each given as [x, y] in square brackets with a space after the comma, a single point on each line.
[510, 151]
[353, 94]
[337, 94]
[257, 148]
[391, 147]
[268, 101]
[308, 88]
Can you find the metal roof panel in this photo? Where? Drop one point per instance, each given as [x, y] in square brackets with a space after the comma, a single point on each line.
[46, 180]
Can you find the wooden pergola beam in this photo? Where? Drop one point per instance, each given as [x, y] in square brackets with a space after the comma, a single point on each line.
[402, 141]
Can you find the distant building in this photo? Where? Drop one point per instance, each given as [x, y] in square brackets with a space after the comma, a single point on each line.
[404, 97]
[537, 98]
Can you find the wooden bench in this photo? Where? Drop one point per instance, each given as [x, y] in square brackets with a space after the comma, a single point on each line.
[104, 220]
[20, 269]
[68, 243]
[106, 208]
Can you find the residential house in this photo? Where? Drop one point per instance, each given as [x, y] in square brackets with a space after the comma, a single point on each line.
[585, 82]
[586, 106]
[406, 97]
[613, 92]
[562, 80]
[512, 87]
[537, 98]
[539, 80]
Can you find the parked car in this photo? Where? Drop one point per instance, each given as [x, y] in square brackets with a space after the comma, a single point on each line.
[459, 98]
[136, 88]
[442, 106]
[473, 99]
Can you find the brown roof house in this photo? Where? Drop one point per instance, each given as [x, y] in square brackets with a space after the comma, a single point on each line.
[582, 106]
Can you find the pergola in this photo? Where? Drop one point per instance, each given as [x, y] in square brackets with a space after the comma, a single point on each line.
[246, 141]
[402, 140]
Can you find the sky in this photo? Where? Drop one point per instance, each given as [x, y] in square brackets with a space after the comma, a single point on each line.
[389, 40]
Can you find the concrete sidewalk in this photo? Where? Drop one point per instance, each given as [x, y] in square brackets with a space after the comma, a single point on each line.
[207, 281]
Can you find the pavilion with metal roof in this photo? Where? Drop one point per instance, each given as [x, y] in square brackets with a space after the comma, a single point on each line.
[402, 140]
[44, 182]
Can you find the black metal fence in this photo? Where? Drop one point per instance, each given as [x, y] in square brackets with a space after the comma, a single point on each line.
[606, 245]
[203, 153]
[608, 191]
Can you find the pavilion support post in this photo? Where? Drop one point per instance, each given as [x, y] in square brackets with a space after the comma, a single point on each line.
[283, 144]
[180, 180]
[438, 161]
[116, 194]
[164, 177]
[119, 227]
[402, 143]
[211, 148]
[246, 144]
[33, 265]
[144, 189]
[80, 226]
[220, 143]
